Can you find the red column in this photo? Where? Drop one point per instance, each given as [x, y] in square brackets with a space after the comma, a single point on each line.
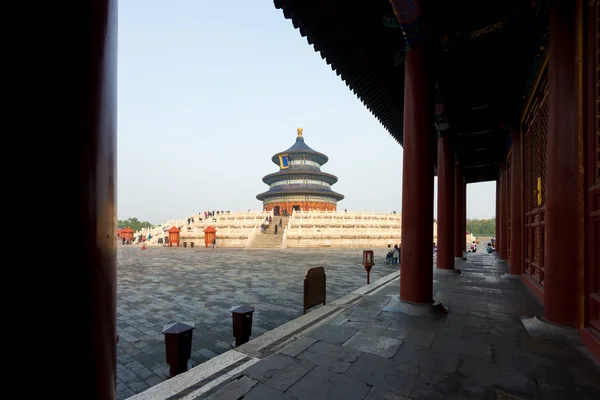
[416, 284]
[93, 264]
[463, 189]
[497, 233]
[516, 208]
[563, 197]
[445, 206]
[459, 233]
[503, 213]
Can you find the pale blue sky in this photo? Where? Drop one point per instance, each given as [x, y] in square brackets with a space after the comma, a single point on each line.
[210, 90]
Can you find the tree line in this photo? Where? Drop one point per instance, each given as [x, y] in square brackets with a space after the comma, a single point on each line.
[134, 224]
[482, 227]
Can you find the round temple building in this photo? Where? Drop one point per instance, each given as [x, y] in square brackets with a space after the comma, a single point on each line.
[299, 184]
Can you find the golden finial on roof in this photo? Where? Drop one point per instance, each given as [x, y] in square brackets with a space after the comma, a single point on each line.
[299, 132]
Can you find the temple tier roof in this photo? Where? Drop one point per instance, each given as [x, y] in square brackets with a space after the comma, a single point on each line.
[300, 190]
[293, 172]
[300, 171]
[301, 148]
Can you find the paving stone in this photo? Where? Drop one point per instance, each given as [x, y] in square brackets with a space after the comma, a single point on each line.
[489, 375]
[332, 334]
[464, 348]
[126, 375]
[430, 386]
[339, 320]
[145, 373]
[378, 345]
[411, 335]
[279, 371]
[500, 395]
[410, 353]
[121, 386]
[383, 373]
[153, 291]
[380, 394]
[374, 328]
[439, 362]
[476, 352]
[562, 388]
[137, 385]
[335, 358]
[125, 394]
[233, 390]
[264, 392]
[155, 380]
[298, 346]
[321, 383]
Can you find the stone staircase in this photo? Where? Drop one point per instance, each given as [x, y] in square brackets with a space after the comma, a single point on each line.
[268, 240]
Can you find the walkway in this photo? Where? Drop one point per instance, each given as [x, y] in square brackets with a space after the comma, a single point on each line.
[487, 347]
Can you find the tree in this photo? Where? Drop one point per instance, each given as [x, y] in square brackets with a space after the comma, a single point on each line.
[134, 224]
[482, 226]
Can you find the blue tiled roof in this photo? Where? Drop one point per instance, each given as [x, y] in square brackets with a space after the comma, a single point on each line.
[302, 190]
[301, 148]
[295, 170]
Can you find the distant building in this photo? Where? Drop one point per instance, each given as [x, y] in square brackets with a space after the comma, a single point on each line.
[299, 184]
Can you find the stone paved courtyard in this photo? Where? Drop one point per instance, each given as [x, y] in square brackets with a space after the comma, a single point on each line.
[164, 285]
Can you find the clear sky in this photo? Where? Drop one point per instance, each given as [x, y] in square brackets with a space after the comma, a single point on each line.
[208, 91]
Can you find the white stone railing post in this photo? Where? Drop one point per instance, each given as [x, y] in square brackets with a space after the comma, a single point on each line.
[251, 236]
[284, 241]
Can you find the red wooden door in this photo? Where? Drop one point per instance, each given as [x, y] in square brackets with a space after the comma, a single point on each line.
[535, 128]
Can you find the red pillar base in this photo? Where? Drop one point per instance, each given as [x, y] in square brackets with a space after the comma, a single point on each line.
[428, 310]
[510, 277]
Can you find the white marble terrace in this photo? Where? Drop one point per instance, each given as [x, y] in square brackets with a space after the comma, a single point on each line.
[304, 229]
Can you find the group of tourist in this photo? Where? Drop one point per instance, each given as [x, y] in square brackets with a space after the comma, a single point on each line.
[393, 256]
[491, 246]
[206, 214]
[267, 222]
[213, 213]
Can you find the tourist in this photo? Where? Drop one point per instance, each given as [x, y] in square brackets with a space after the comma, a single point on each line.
[395, 255]
[280, 221]
[275, 230]
[214, 243]
[389, 257]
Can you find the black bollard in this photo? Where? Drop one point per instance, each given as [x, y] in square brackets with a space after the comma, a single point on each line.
[178, 345]
[242, 324]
